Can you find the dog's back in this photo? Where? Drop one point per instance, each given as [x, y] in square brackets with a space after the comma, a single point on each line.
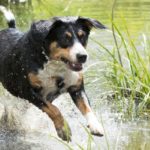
[8, 37]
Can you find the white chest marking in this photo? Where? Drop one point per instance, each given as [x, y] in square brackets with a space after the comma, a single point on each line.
[54, 69]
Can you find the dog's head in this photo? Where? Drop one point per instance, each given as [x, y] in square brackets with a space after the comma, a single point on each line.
[65, 38]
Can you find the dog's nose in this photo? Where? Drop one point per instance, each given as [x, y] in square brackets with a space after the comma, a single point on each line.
[81, 58]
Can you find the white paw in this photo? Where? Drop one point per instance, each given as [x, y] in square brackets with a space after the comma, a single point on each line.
[93, 124]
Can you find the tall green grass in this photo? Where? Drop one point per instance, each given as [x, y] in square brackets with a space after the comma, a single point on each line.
[128, 72]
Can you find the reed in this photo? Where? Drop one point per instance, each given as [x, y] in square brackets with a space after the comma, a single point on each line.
[128, 73]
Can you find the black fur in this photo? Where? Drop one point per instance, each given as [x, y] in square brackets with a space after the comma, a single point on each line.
[22, 53]
[12, 24]
[19, 55]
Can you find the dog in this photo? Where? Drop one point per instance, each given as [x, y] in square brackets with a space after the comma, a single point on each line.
[47, 61]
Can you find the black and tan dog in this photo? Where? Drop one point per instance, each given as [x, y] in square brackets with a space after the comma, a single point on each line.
[47, 61]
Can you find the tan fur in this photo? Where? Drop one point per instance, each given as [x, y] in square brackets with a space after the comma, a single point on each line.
[68, 34]
[58, 53]
[34, 80]
[80, 80]
[81, 33]
[83, 106]
[54, 113]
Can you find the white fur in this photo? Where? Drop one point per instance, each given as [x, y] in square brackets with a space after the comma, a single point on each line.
[7, 13]
[93, 124]
[85, 98]
[56, 69]
[77, 48]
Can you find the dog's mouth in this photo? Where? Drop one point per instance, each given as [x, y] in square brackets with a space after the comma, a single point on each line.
[72, 65]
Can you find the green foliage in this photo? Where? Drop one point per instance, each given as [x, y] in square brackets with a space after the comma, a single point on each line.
[129, 73]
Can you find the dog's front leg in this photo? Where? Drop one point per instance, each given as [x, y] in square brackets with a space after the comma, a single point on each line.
[62, 128]
[80, 99]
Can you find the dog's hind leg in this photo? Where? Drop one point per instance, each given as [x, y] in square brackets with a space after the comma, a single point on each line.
[62, 128]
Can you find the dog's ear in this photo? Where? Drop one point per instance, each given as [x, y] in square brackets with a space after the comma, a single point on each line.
[41, 29]
[90, 23]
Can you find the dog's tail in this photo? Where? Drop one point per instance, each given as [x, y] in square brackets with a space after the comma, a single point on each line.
[9, 17]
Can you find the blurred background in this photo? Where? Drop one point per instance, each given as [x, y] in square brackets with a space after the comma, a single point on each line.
[136, 12]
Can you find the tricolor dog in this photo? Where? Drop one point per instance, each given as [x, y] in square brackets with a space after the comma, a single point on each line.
[47, 61]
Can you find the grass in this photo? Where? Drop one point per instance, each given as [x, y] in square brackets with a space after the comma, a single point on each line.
[131, 79]
[88, 145]
[128, 72]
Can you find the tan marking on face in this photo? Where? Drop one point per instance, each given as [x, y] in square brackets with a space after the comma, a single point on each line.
[54, 113]
[34, 80]
[57, 53]
[83, 106]
[81, 33]
[68, 34]
[53, 45]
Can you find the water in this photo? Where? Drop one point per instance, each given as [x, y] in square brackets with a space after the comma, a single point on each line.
[120, 134]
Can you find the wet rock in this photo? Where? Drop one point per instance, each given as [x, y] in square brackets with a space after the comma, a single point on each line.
[19, 115]
[24, 126]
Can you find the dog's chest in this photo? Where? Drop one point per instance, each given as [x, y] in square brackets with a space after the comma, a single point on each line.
[56, 78]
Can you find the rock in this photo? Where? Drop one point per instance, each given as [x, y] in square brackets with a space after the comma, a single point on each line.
[19, 115]
[24, 126]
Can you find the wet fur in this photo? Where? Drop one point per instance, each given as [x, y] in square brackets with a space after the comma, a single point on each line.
[31, 66]
[25, 53]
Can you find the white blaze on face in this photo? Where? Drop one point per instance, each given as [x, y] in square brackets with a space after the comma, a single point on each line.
[77, 48]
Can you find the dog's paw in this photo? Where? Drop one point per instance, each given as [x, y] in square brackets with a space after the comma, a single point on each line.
[96, 129]
[64, 133]
[94, 126]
